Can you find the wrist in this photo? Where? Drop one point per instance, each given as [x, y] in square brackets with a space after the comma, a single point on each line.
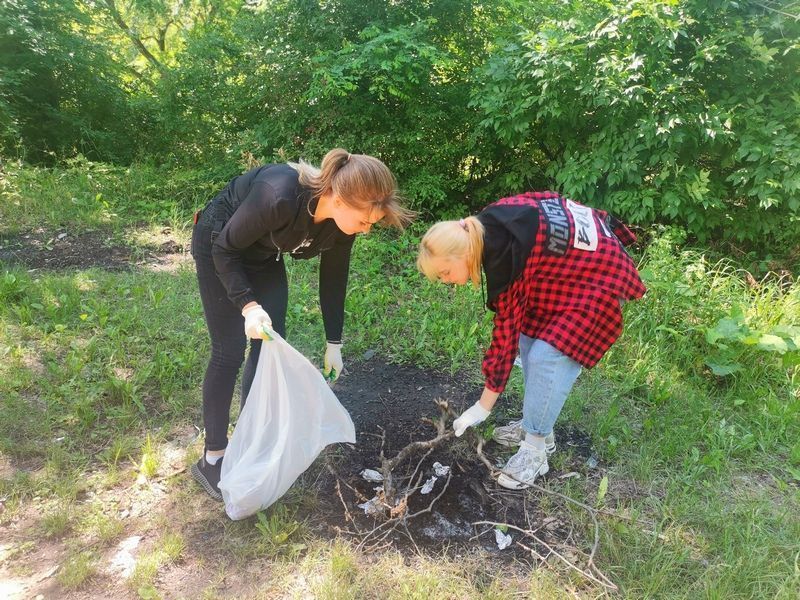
[488, 399]
[249, 306]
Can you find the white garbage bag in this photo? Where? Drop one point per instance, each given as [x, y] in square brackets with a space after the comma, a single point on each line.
[290, 415]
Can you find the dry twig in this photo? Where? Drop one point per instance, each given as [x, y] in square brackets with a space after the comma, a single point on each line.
[598, 575]
[394, 503]
[588, 572]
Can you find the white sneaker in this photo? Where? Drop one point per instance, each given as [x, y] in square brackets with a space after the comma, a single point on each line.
[512, 435]
[523, 468]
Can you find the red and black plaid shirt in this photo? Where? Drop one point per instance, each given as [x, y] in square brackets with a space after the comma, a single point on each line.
[569, 293]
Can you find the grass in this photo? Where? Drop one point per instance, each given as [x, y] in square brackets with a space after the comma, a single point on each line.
[90, 196]
[167, 550]
[77, 570]
[96, 367]
[279, 533]
[105, 528]
[336, 570]
[149, 464]
[56, 522]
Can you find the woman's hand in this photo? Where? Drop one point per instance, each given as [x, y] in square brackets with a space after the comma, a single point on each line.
[476, 413]
[472, 416]
[332, 365]
[255, 320]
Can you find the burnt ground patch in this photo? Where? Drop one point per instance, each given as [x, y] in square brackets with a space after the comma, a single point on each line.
[397, 398]
[61, 249]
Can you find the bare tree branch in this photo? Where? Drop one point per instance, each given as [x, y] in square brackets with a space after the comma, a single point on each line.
[117, 16]
[775, 10]
[162, 36]
[389, 465]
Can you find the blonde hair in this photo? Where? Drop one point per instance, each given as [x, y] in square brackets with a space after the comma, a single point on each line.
[453, 239]
[362, 182]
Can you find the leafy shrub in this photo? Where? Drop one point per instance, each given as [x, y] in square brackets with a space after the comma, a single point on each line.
[676, 111]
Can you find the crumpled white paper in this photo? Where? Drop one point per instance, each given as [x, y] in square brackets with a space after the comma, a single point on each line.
[428, 486]
[372, 507]
[503, 539]
[440, 469]
[371, 475]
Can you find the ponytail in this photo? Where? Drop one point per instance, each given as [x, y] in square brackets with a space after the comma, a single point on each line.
[361, 181]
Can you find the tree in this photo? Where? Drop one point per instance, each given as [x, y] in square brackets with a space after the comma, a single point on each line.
[660, 110]
[60, 93]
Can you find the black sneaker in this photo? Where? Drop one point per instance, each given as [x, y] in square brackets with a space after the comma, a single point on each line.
[208, 476]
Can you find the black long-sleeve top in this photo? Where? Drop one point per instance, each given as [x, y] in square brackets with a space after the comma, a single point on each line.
[267, 213]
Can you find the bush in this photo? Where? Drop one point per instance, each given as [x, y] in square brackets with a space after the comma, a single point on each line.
[676, 111]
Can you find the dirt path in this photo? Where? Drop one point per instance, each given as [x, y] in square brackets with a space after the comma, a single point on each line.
[59, 250]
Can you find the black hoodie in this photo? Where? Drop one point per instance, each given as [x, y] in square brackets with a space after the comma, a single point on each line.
[509, 237]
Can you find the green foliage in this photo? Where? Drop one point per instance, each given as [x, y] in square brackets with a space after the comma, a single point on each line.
[658, 392]
[735, 342]
[683, 111]
[405, 90]
[278, 533]
[12, 287]
[388, 79]
[602, 489]
[60, 92]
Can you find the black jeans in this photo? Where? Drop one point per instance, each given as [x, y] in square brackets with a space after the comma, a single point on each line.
[226, 329]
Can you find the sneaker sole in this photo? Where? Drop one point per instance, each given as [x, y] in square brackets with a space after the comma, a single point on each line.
[198, 477]
[512, 484]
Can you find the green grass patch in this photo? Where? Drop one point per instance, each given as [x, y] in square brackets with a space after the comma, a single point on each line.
[83, 195]
[77, 570]
[167, 551]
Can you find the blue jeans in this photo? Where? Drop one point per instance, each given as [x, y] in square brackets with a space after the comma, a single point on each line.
[549, 376]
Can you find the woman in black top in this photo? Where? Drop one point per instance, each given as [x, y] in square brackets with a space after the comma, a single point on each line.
[239, 242]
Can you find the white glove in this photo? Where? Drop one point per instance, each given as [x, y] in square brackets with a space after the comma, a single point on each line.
[255, 319]
[472, 416]
[332, 366]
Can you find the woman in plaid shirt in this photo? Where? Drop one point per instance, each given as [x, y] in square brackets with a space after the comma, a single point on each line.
[556, 276]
